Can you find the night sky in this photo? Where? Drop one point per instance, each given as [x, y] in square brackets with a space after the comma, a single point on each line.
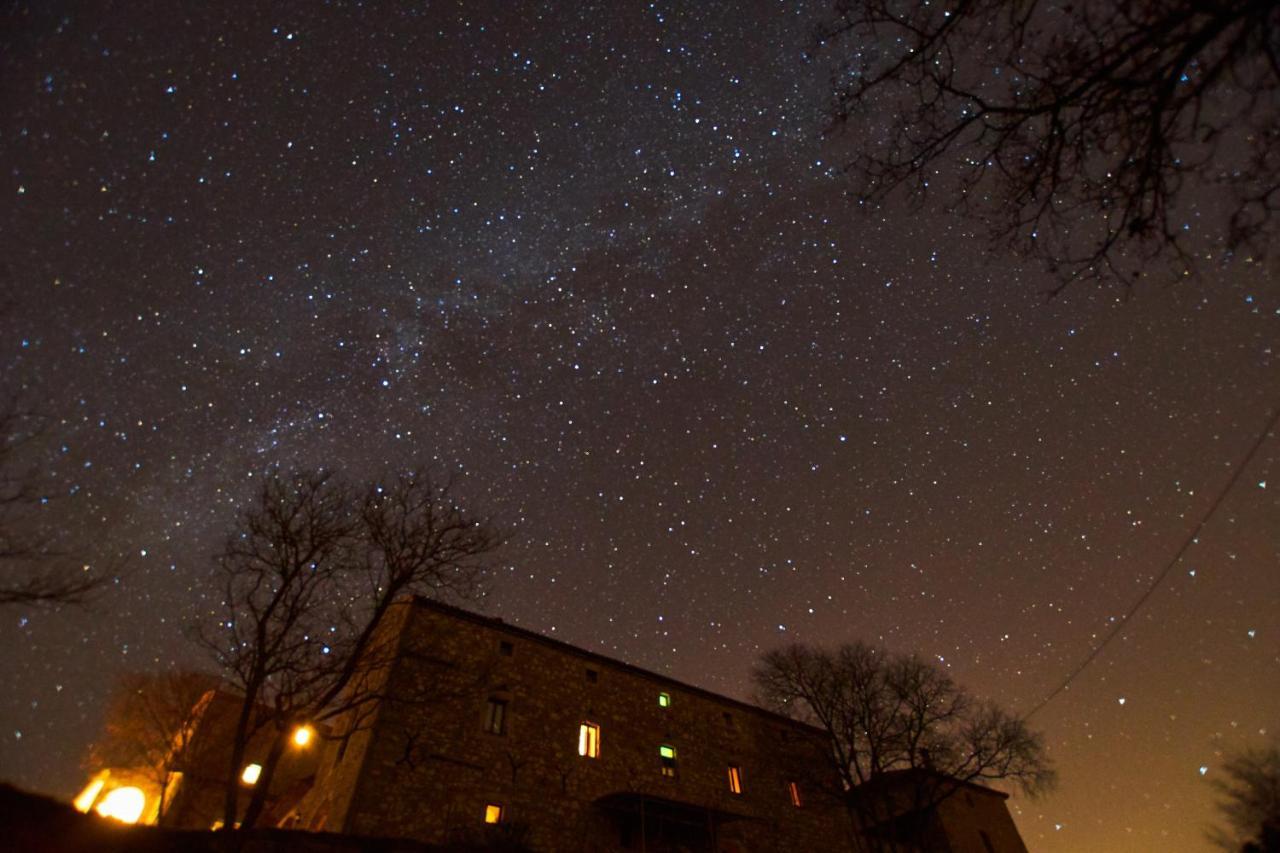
[597, 261]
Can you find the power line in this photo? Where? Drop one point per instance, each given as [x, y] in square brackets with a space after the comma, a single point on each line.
[1160, 578]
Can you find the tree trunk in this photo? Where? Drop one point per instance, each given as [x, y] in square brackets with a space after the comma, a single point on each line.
[263, 787]
[231, 804]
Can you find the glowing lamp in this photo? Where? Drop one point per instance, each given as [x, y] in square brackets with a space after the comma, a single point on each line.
[302, 735]
[251, 774]
[123, 804]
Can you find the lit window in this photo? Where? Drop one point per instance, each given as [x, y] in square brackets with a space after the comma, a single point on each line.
[735, 779]
[794, 790]
[668, 754]
[589, 740]
[495, 720]
[493, 813]
[302, 735]
[251, 774]
[123, 804]
[664, 700]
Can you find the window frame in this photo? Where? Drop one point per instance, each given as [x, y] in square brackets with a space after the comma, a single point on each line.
[588, 739]
[735, 779]
[670, 762]
[500, 717]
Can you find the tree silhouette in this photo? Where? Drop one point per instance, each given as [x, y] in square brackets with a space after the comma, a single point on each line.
[1250, 802]
[1085, 134]
[904, 736]
[33, 570]
[308, 577]
[151, 727]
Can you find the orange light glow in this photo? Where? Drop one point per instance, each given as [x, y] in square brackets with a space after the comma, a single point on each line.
[123, 804]
[251, 774]
[85, 801]
[302, 735]
[589, 740]
[493, 813]
[735, 780]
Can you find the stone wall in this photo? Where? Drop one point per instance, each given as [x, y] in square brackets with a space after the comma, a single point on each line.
[427, 768]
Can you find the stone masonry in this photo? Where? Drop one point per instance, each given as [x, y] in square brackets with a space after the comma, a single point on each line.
[484, 721]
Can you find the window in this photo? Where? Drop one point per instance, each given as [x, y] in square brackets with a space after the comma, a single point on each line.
[664, 700]
[735, 779]
[728, 720]
[667, 753]
[506, 649]
[495, 720]
[589, 740]
[593, 676]
[251, 773]
[493, 813]
[794, 790]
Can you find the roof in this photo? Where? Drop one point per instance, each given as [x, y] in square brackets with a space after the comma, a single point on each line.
[915, 775]
[496, 624]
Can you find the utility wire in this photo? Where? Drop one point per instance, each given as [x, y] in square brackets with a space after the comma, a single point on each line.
[1160, 578]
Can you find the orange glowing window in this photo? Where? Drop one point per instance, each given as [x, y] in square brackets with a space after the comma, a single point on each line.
[794, 790]
[589, 740]
[735, 779]
[493, 813]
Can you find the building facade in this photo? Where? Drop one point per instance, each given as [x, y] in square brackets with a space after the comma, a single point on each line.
[490, 732]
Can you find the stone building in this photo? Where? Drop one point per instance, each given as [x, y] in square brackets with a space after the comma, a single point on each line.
[194, 772]
[491, 732]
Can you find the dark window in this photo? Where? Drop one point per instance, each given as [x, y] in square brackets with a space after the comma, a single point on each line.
[986, 842]
[495, 719]
[505, 649]
[593, 676]
[728, 719]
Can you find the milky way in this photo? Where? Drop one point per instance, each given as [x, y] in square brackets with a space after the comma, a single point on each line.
[598, 262]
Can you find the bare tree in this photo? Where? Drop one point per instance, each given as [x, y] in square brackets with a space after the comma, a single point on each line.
[309, 578]
[151, 727]
[904, 737]
[1084, 133]
[1250, 802]
[32, 569]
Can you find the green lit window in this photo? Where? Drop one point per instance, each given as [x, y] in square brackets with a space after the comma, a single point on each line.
[667, 753]
[664, 700]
